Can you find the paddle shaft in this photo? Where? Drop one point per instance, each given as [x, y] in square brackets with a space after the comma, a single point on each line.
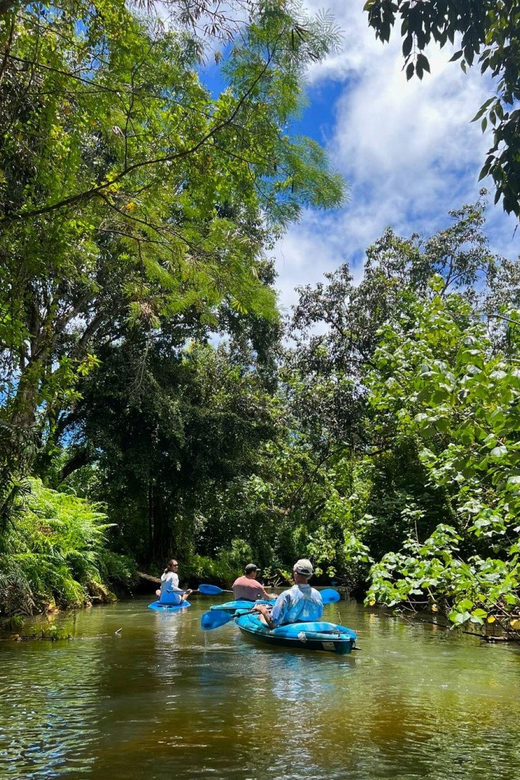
[180, 592]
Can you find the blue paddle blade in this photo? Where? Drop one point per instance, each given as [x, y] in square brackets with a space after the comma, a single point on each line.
[210, 590]
[215, 619]
[329, 596]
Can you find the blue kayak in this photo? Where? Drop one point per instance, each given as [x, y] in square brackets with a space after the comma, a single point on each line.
[318, 635]
[159, 607]
[232, 606]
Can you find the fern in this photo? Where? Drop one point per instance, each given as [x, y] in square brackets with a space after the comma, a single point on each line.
[52, 551]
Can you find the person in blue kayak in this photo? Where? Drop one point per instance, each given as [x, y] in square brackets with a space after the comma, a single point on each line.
[247, 587]
[298, 604]
[170, 593]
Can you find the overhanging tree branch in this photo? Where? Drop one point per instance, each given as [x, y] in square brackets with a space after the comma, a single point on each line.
[95, 191]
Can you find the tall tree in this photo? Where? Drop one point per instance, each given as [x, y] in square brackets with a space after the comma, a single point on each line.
[127, 192]
[441, 390]
[357, 480]
[167, 431]
[336, 324]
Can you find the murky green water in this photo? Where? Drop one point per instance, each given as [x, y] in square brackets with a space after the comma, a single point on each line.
[163, 700]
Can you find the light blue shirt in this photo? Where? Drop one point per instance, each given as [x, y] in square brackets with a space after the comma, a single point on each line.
[301, 603]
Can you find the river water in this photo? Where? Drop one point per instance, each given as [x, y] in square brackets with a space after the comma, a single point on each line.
[162, 699]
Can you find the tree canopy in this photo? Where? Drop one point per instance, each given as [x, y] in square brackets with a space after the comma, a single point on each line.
[129, 193]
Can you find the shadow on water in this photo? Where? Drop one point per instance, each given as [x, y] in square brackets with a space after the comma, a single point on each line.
[163, 698]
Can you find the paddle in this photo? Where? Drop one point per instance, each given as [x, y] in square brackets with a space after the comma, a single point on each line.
[329, 595]
[212, 590]
[218, 617]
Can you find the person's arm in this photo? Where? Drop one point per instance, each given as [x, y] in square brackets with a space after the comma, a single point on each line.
[272, 618]
[174, 589]
[266, 614]
[267, 595]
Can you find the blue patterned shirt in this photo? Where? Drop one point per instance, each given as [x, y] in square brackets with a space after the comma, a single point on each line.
[301, 603]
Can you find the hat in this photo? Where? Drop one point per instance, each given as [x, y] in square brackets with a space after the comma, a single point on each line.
[304, 567]
[250, 567]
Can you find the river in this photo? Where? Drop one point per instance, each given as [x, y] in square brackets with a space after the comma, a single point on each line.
[162, 699]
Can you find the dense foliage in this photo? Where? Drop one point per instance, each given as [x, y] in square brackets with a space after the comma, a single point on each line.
[441, 390]
[135, 208]
[53, 553]
[408, 402]
[146, 378]
[128, 193]
[164, 450]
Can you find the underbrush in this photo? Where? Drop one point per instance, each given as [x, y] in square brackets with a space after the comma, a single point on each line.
[53, 554]
[224, 568]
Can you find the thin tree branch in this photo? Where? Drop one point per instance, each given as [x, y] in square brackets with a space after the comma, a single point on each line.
[95, 191]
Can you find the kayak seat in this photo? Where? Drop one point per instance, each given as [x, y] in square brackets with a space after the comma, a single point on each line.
[170, 597]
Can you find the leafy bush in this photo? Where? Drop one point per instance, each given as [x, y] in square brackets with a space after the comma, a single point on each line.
[440, 382]
[52, 553]
[224, 568]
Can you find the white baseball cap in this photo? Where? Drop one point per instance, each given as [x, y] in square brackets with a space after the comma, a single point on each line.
[304, 567]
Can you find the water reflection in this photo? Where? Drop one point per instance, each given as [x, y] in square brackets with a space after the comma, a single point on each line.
[162, 698]
[50, 705]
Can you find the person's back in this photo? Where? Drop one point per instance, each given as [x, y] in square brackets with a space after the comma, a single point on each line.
[169, 588]
[248, 589]
[299, 604]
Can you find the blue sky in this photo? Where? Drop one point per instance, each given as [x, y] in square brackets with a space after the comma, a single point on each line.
[407, 149]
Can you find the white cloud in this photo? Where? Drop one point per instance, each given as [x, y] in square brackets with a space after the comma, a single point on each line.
[408, 150]
[311, 248]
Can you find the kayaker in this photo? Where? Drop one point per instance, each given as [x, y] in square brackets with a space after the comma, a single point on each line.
[247, 588]
[170, 593]
[298, 604]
